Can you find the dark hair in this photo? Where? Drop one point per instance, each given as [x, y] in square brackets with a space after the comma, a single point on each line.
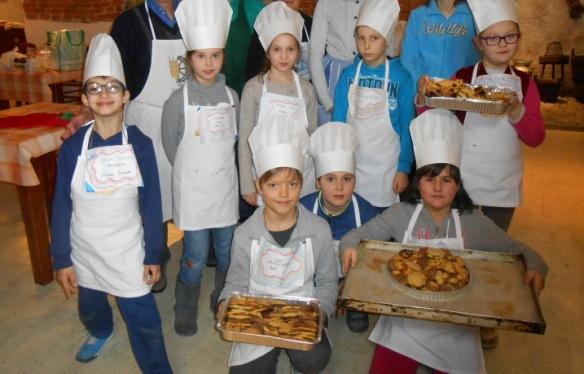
[270, 173]
[266, 65]
[461, 201]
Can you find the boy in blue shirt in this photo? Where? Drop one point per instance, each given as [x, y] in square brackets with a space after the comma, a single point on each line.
[333, 147]
[375, 96]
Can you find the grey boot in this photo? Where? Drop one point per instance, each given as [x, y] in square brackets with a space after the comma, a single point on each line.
[185, 308]
[219, 283]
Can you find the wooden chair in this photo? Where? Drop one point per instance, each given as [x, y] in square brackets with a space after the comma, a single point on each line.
[67, 91]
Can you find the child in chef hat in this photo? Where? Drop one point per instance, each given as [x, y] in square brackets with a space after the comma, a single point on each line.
[436, 213]
[333, 147]
[106, 231]
[198, 134]
[282, 249]
[278, 90]
[375, 96]
[492, 164]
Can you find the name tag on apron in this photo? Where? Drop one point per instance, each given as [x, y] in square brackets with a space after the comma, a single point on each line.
[282, 107]
[280, 268]
[368, 102]
[217, 126]
[110, 168]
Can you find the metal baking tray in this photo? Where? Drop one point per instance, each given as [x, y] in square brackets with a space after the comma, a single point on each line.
[496, 297]
[273, 341]
[467, 105]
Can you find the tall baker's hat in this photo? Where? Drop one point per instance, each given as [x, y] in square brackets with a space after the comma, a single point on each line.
[437, 138]
[280, 142]
[380, 15]
[103, 59]
[204, 24]
[489, 12]
[278, 18]
[333, 146]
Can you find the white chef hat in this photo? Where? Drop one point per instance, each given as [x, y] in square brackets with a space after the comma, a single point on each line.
[437, 138]
[278, 18]
[380, 15]
[489, 12]
[204, 24]
[333, 147]
[103, 59]
[280, 142]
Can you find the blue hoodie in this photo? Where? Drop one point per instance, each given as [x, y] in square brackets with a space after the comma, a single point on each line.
[400, 101]
[438, 46]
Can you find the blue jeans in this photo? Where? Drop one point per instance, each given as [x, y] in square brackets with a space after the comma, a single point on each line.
[196, 250]
[142, 320]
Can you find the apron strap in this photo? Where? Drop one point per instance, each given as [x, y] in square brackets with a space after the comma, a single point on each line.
[231, 102]
[298, 88]
[86, 139]
[150, 20]
[415, 215]
[458, 227]
[306, 33]
[357, 211]
[186, 104]
[474, 73]
[315, 206]
[357, 73]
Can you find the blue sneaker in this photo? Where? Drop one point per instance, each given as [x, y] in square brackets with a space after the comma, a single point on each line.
[91, 348]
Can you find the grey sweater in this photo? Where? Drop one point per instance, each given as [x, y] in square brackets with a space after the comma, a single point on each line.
[248, 118]
[307, 226]
[173, 113]
[478, 232]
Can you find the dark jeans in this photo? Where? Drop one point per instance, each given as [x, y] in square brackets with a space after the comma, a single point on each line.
[307, 362]
[142, 320]
[501, 216]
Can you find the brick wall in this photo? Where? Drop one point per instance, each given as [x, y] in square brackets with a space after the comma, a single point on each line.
[406, 6]
[84, 11]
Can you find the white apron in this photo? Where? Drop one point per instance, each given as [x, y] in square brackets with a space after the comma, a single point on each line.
[442, 346]
[145, 111]
[272, 103]
[337, 242]
[106, 228]
[492, 164]
[204, 177]
[302, 67]
[377, 159]
[276, 271]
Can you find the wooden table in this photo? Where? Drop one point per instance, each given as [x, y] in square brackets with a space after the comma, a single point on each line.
[33, 87]
[28, 160]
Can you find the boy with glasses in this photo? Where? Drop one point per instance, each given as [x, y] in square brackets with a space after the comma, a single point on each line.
[106, 232]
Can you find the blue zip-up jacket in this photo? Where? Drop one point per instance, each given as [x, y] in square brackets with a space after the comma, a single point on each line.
[400, 101]
[344, 222]
[438, 46]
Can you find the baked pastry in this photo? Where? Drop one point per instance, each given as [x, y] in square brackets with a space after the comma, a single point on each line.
[458, 89]
[272, 317]
[429, 269]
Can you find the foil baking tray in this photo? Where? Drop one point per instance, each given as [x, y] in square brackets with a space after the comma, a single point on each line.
[269, 340]
[484, 106]
[496, 297]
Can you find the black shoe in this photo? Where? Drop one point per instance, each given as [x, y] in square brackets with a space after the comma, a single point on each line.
[161, 284]
[357, 321]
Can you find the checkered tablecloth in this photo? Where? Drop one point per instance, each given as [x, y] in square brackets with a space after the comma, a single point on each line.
[18, 146]
[33, 87]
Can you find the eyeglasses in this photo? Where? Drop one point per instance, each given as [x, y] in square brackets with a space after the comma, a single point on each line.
[495, 40]
[95, 88]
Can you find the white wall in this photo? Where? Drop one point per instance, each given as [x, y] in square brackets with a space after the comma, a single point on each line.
[11, 10]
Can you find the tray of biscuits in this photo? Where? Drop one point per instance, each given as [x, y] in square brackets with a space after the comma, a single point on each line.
[284, 322]
[458, 95]
[466, 287]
